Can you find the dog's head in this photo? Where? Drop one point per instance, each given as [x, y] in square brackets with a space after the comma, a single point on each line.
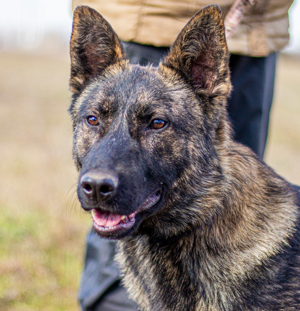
[147, 140]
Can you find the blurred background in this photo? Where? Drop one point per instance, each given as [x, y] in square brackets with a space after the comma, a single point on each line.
[42, 228]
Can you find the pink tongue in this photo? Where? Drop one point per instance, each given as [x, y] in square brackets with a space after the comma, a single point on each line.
[105, 219]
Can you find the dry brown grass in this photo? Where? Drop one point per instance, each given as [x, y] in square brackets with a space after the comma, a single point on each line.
[42, 229]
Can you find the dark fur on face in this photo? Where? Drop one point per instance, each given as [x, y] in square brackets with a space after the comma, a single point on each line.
[204, 224]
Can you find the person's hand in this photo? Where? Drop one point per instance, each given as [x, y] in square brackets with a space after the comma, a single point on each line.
[235, 15]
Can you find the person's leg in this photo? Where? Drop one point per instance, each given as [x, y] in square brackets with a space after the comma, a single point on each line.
[115, 299]
[144, 54]
[250, 102]
[100, 287]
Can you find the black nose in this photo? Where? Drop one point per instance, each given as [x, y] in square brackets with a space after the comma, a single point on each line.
[99, 185]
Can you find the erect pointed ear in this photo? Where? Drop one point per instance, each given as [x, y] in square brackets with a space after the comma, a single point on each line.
[94, 46]
[200, 53]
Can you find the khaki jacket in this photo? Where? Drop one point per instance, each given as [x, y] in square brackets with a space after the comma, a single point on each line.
[263, 30]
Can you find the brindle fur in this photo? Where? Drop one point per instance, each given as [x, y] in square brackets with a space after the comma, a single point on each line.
[225, 234]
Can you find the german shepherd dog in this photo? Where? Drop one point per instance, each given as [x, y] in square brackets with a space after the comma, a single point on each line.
[202, 223]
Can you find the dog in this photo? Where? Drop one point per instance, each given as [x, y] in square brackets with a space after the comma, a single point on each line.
[202, 223]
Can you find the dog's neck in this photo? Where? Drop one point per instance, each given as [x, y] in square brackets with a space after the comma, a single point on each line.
[225, 249]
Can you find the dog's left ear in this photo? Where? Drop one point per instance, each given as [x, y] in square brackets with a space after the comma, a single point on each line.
[94, 46]
[200, 53]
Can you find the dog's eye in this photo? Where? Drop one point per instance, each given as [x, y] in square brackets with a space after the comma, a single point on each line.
[157, 124]
[92, 120]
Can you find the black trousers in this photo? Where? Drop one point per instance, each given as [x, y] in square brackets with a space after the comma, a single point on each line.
[249, 108]
[250, 102]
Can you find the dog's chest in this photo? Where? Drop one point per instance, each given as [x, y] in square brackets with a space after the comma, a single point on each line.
[162, 278]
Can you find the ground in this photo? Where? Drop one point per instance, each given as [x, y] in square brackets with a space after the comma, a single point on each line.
[42, 228]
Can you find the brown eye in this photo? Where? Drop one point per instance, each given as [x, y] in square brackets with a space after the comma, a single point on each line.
[92, 120]
[157, 124]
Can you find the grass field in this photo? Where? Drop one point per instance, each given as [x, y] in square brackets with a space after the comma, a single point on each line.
[42, 228]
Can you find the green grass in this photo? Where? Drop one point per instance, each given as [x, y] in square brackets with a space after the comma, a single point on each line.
[39, 265]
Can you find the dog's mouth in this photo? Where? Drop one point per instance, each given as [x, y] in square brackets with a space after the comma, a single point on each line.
[107, 223]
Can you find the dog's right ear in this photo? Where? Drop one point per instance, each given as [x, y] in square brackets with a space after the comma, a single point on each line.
[94, 46]
[200, 53]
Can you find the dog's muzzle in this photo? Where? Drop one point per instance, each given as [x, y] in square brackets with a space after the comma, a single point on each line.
[100, 186]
